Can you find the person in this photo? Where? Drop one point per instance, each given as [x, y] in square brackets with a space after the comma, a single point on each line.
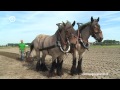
[22, 47]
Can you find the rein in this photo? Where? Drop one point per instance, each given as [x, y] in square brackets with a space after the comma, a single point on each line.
[46, 48]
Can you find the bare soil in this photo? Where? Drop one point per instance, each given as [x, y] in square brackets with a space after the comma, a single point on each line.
[98, 63]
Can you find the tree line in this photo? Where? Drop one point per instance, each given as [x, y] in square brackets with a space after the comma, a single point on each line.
[16, 44]
[107, 42]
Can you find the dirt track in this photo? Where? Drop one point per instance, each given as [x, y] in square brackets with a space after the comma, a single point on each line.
[96, 62]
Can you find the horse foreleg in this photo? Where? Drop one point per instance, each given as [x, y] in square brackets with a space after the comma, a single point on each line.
[73, 68]
[79, 67]
[43, 66]
[59, 66]
[52, 69]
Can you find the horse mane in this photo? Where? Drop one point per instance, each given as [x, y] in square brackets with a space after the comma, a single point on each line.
[84, 25]
[68, 23]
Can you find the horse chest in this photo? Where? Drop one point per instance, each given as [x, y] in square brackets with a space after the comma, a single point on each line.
[80, 49]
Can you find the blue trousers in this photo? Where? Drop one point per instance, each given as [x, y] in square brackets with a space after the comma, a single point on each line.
[22, 55]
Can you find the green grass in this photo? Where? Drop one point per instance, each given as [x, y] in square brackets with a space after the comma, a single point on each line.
[105, 46]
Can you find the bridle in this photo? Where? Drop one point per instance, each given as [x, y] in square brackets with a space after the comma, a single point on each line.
[93, 33]
[61, 42]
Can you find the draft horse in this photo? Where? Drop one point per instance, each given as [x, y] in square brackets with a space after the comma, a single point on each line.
[84, 31]
[56, 46]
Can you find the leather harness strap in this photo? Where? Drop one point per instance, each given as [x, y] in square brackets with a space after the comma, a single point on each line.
[47, 48]
[81, 41]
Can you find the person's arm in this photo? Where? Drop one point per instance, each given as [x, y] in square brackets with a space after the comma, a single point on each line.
[19, 47]
[25, 47]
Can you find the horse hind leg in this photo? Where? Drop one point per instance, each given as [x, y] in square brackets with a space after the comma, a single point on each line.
[38, 65]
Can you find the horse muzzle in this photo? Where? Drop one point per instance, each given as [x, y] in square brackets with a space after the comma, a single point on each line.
[99, 40]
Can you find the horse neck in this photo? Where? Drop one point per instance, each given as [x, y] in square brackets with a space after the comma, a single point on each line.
[85, 33]
[57, 34]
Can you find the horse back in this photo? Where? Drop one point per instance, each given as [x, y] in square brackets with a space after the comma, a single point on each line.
[39, 41]
[49, 41]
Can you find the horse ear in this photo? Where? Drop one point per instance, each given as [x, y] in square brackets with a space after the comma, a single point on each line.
[92, 19]
[64, 23]
[73, 24]
[58, 24]
[79, 24]
[98, 19]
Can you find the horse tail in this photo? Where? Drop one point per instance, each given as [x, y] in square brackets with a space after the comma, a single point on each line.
[28, 58]
[31, 47]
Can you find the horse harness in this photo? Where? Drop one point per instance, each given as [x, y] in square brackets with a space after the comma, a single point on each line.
[58, 44]
[82, 42]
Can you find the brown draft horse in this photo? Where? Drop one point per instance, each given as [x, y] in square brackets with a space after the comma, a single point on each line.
[56, 46]
[84, 31]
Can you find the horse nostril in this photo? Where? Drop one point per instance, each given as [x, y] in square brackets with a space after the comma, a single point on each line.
[101, 38]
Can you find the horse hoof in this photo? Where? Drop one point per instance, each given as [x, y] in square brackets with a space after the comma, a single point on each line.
[44, 70]
[73, 71]
[73, 74]
[51, 74]
[79, 72]
[60, 73]
[38, 68]
[43, 67]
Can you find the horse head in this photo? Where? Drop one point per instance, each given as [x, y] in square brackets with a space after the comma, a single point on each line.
[96, 30]
[67, 31]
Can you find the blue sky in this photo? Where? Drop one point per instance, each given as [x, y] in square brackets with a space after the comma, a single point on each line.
[27, 25]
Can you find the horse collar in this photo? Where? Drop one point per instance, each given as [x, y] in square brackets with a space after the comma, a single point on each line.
[86, 46]
[65, 43]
